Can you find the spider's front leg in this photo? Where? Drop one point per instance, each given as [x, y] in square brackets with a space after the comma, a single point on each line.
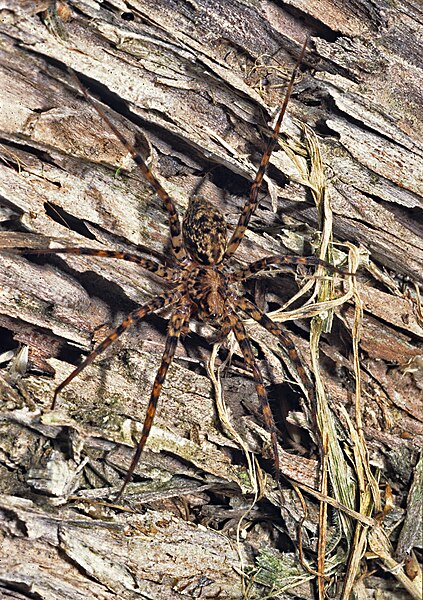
[152, 266]
[177, 241]
[251, 204]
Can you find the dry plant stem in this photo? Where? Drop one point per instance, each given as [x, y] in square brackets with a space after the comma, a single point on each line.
[359, 541]
[368, 477]
[303, 561]
[331, 451]
[324, 289]
[254, 501]
[311, 310]
[323, 515]
[314, 178]
[368, 489]
[379, 544]
[338, 505]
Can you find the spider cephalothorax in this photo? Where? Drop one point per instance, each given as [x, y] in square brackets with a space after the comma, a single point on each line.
[200, 284]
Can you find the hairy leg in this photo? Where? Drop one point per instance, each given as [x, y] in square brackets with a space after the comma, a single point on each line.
[150, 265]
[273, 262]
[165, 299]
[174, 222]
[251, 204]
[278, 331]
[176, 324]
[247, 352]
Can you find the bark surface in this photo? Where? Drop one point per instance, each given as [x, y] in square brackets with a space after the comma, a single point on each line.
[195, 87]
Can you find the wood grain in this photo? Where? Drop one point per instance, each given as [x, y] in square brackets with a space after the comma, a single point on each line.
[195, 86]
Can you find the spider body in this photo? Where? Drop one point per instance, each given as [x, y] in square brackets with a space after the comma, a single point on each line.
[204, 235]
[200, 284]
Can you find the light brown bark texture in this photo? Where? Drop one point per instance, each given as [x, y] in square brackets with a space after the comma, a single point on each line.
[195, 86]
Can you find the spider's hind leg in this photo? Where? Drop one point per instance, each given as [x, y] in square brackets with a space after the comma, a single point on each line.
[176, 325]
[247, 352]
[156, 303]
[277, 330]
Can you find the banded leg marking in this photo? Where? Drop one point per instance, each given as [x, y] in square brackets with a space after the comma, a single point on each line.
[266, 264]
[174, 222]
[276, 329]
[176, 325]
[146, 263]
[165, 299]
[247, 352]
[251, 204]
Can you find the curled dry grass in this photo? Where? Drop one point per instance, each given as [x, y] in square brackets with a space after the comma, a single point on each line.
[347, 482]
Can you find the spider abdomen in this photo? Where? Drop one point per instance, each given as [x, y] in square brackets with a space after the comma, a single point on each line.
[204, 232]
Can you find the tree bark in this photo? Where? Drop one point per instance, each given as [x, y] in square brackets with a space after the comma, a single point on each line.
[195, 87]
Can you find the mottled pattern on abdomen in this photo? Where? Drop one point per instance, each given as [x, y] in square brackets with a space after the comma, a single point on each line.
[204, 231]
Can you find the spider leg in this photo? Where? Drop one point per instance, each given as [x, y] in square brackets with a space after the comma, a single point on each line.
[247, 352]
[176, 324]
[278, 331]
[146, 263]
[251, 204]
[266, 264]
[174, 222]
[165, 299]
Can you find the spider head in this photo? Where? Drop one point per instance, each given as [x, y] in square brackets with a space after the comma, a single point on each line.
[204, 232]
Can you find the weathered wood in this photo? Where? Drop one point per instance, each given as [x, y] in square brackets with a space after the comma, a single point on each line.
[195, 86]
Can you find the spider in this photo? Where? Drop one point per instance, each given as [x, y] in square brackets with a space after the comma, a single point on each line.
[200, 282]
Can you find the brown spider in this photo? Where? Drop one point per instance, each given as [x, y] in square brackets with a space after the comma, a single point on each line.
[200, 283]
